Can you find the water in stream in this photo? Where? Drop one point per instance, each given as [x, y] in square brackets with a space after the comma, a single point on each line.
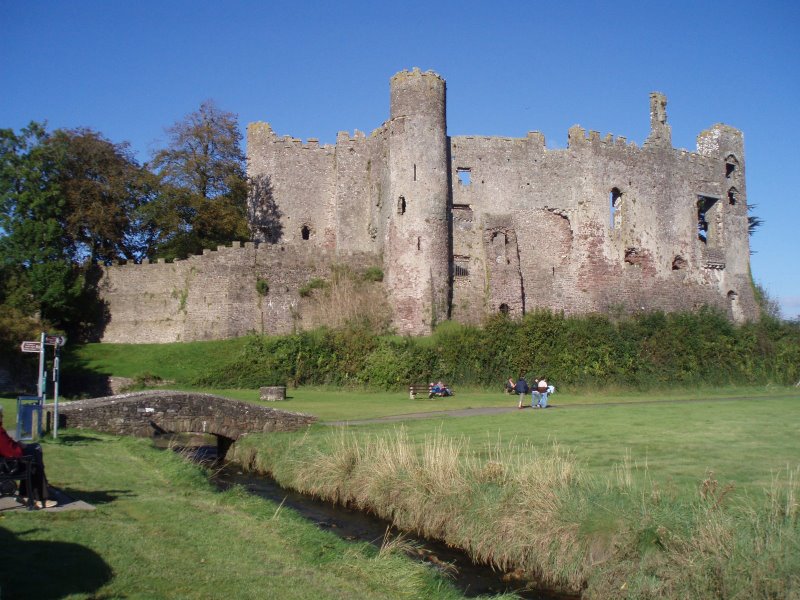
[354, 525]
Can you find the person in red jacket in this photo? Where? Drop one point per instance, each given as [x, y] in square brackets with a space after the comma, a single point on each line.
[10, 448]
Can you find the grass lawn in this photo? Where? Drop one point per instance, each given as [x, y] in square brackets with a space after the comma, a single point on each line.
[161, 531]
[582, 492]
[742, 441]
[342, 405]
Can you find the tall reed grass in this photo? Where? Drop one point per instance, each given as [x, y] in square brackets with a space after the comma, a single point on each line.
[539, 512]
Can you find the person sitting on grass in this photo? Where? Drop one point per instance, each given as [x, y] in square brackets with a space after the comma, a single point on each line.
[10, 448]
[439, 389]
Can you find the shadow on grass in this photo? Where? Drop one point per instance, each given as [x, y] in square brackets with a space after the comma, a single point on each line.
[97, 497]
[48, 570]
[77, 439]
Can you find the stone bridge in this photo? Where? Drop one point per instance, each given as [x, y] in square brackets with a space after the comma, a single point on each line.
[143, 414]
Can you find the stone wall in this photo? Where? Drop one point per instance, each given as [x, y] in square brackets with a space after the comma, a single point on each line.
[574, 253]
[142, 414]
[215, 295]
[463, 227]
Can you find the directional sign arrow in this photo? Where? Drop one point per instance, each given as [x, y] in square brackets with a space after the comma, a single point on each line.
[31, 346]
[55, 340]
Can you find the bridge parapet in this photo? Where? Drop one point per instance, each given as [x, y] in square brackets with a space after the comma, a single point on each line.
[143, 413]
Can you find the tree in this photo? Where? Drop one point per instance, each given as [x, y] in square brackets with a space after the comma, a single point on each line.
[105, 192]
[69, 200]
[203, 196]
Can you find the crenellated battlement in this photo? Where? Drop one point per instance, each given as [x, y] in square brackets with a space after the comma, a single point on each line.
[416, 72]
[462, 227]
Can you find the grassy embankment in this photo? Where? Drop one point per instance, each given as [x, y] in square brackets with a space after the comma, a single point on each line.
[680, 500]
[181, 365]
[659, 500]
[161, 531]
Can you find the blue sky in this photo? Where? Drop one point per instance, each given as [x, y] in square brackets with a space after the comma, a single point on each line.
[311, 69]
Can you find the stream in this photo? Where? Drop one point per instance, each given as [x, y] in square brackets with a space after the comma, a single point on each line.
[472, 579]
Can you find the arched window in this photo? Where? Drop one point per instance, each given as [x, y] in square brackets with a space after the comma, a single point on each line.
[707, 220]
[305, 232]
[504, 308]
[731, 164]
[615, 206]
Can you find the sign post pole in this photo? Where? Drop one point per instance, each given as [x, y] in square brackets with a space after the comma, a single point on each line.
[41, 386]
[41, 383]
[56, 376]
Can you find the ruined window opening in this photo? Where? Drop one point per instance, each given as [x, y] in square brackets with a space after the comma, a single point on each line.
[732, 296]
[732, 196]
[615, 206]
[730, 165]
[705, 223]
[462, 212]
[504, 308]
[464, 176]
[401, 205]
[633, 256]
[460, 266]
[305, 232]
[499, 244]
[678, 263]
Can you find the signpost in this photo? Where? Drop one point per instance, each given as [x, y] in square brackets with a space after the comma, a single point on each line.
[57, 341]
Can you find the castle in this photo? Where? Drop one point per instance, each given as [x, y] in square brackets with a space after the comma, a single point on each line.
[462, 227]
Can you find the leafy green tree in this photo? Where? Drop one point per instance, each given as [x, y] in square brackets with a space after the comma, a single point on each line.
[69, 200]
[203, 196]
[37, 269]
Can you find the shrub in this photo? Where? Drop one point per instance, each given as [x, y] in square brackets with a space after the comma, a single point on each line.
[262, 286]
[314, 284]
[373, 274]
[644, 352]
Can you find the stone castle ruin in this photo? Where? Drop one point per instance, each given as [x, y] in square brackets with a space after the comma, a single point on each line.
[462, 227]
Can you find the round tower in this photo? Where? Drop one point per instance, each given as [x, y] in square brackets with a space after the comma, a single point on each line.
[417, 250]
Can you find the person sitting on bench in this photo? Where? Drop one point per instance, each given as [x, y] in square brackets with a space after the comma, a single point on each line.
[10, 448]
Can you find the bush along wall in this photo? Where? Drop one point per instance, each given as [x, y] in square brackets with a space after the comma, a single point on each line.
[649, 350]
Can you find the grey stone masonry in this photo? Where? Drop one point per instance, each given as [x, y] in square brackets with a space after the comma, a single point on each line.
[463, 227]
[143, 413]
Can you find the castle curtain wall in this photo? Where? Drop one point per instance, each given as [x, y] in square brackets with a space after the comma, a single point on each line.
[463, 227]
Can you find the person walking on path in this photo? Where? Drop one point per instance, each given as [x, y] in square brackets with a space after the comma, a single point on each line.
[521, 388]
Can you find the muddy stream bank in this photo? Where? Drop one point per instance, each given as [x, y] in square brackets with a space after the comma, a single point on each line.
[354, 525]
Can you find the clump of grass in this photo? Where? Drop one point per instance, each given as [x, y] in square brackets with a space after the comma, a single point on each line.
[345, 300]
[538, 511]
[316, 283]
